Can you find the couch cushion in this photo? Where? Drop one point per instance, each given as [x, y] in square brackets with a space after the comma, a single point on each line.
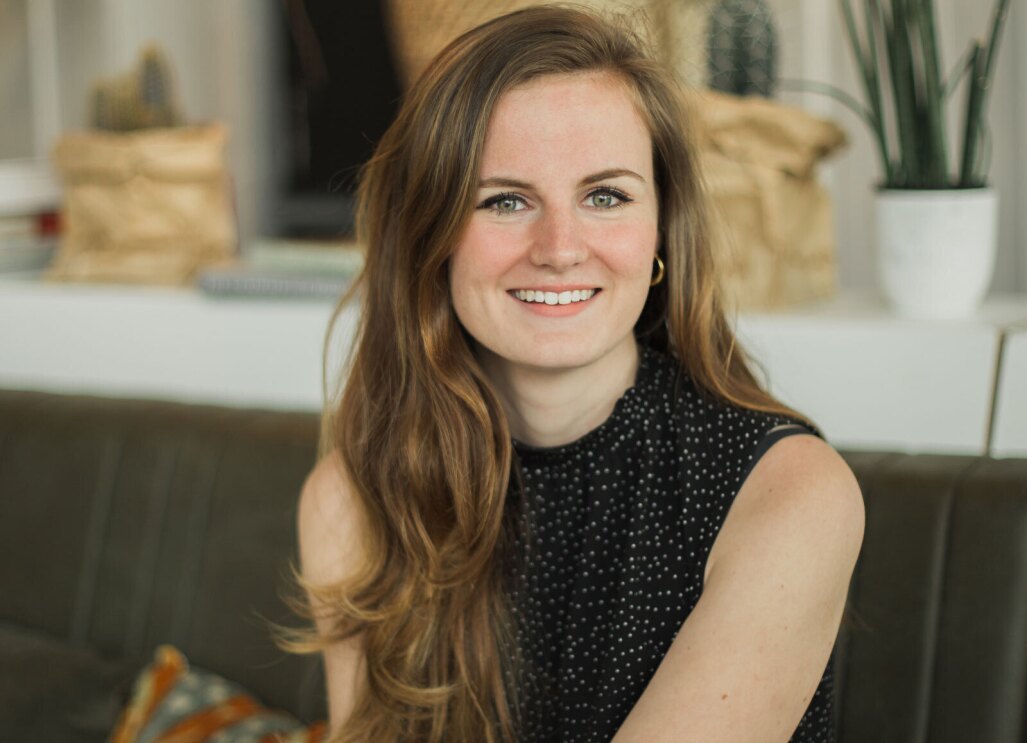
[55, 692]
[895, 596]
[937, 646]
[980, 675]
[175, 701]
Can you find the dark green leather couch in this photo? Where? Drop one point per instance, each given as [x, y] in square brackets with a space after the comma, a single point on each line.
[127, 524]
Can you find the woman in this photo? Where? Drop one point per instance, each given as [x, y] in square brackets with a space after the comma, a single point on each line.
[555, 504]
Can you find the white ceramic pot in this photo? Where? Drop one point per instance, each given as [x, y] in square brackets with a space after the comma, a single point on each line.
[936, 249]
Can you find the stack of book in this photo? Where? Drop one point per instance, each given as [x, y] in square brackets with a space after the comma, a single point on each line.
[27, 241]
[291, 269]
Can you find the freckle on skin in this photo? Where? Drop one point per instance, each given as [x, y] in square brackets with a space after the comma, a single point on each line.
[723, 697]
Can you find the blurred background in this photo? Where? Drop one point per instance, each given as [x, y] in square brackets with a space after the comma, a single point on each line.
[306, 89]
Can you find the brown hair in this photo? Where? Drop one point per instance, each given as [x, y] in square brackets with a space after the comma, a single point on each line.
[418, 426]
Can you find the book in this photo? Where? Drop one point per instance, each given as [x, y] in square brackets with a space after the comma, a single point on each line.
[26, 255]
[27, 242]
[341, 257]
[245, 280]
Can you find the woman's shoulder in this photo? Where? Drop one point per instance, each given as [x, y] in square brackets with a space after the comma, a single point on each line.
[330, 551]
[328, 521]
[800, 487]
[327, 491]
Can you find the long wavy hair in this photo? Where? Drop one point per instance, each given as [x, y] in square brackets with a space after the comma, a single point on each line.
[417, 424]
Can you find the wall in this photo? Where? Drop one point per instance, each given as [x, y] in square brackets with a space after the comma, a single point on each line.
[15, 82]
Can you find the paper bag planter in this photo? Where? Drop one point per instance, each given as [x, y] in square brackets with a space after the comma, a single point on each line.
[151, 206]
[772, 222]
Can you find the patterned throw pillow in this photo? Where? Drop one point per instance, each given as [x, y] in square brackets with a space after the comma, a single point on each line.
[173, 703]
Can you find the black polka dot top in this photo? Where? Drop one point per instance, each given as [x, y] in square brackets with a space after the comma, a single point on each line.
[623, 520]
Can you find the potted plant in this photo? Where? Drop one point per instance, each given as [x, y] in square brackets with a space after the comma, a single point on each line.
[936, 214]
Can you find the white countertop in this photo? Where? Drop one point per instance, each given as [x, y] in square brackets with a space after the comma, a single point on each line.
[870, 379]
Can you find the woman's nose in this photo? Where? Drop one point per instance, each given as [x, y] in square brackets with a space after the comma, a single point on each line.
[558, 241]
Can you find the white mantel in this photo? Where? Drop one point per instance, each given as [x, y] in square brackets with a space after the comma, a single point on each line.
[871, 380]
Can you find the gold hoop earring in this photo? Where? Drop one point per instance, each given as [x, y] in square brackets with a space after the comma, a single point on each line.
[659, 272]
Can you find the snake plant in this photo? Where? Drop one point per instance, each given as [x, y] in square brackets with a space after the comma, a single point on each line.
[895, 46]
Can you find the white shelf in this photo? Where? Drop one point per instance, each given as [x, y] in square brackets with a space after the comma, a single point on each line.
[163, 343]
[871, 380]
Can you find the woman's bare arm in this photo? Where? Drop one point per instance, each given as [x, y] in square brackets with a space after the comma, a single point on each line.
[746, 662]
[329, 539]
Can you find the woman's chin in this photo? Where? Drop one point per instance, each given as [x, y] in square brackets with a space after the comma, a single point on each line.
[551, 355]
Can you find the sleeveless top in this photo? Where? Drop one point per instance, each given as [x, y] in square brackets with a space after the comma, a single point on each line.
[621, 523]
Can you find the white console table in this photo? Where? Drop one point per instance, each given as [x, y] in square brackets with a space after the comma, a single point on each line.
[871, 380]
[164, 343]
[1010, 433]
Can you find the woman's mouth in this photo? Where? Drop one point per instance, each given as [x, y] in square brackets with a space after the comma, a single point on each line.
[540, 296]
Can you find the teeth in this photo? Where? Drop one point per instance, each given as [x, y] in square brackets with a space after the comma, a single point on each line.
[567, 297]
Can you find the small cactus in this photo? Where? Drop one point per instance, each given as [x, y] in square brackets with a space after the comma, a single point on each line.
[742, 48]
[142, 99]
[155, 89]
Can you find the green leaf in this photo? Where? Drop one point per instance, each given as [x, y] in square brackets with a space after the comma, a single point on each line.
[897, 54]
[972, 119]
[935, 154]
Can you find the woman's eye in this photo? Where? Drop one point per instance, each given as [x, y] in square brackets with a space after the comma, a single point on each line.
[503, 203]
[607, 198]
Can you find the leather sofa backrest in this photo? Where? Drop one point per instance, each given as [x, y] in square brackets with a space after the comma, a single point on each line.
[127, 524]
[936, 645]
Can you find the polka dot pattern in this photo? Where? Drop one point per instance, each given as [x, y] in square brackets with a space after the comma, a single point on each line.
[622, 522]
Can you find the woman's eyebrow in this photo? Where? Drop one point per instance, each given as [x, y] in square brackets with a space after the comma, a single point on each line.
[602, 175]
[501, 181]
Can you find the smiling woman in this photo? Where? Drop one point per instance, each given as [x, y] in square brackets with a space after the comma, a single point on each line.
[554, 502]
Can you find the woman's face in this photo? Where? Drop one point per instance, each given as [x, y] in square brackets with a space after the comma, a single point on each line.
[554, 267]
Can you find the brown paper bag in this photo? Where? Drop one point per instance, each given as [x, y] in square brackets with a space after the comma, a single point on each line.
[772, 221]
[419, 29]
[152, 206]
